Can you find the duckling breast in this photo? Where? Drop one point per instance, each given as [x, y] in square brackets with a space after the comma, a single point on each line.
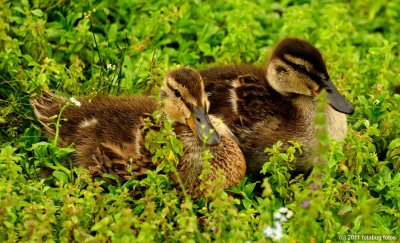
[227, 159]
[337, 123]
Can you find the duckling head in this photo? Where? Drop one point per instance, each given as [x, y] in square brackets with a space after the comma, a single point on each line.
[185, 101]
[297, 67]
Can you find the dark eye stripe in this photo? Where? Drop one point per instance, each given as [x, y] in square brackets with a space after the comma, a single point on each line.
[302, 69]
[189, 106]
[176, 91]
[169, 86]
[298, 67]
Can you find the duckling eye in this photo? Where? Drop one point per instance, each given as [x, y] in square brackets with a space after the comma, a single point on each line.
[301, 68]
[177, 93]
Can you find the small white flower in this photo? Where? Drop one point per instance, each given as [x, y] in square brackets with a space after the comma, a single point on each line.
[75, 101]
[268, 231]
[278, 232]
[278, 227]
[277, 236]
[283, 210]
[275, 233]
[366, 123]
[289, 214]
[277, 215]
[111, 66]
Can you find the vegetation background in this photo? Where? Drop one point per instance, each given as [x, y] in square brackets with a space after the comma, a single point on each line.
[68, 46]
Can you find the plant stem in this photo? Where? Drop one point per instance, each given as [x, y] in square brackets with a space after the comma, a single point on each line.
[58, 125]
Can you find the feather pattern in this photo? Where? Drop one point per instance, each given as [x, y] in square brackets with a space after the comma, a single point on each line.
[277, 102]
[108, 134]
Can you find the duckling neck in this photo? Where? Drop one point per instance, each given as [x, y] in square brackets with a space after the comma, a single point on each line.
[336, 121]
[306, 108]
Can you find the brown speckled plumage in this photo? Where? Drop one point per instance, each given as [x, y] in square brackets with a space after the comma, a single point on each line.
[265, 105]
[105, 130]
[107, 133]
[226, 157]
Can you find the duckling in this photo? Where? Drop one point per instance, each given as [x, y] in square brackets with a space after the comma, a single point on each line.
[265, 105]
[108, 136]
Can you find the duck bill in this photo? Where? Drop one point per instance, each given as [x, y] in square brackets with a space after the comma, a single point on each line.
[200, 124]
[336, 100]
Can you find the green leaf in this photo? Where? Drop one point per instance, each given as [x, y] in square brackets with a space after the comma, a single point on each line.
[37, 12]
[62, 152]
[343, 210]
[110, 176]
[138, 209]
[357, 223]
[102, 224]
[61, 176]
[248, 189]
[247, 203]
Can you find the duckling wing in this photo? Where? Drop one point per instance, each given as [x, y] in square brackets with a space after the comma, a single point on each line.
[106, 130]
[241, 94]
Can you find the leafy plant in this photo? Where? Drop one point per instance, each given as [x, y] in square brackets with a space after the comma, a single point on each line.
[126, 47]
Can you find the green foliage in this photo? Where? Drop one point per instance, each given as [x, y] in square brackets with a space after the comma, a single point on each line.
[125, 47]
